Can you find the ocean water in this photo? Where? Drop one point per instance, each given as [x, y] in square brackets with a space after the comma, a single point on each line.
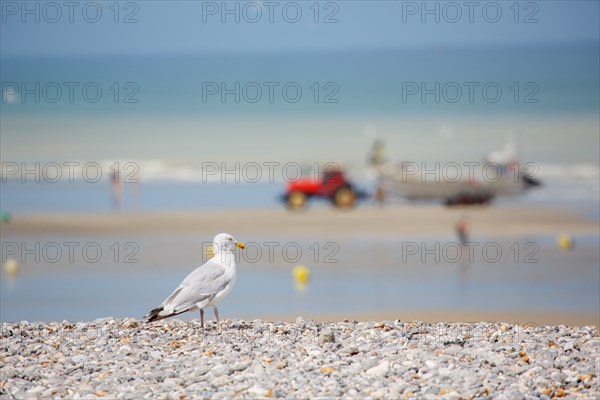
[563, 78]
[304, 105]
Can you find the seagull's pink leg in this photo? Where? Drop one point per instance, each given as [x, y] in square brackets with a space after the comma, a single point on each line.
[217, 316]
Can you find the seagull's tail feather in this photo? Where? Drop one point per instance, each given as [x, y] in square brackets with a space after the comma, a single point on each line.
[155, 315]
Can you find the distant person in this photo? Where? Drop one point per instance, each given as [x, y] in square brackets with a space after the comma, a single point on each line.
[332, 175]
[135, 180]
[116, 189]
[377, 161]
[379, 195]
[462, 231]
[377, 155]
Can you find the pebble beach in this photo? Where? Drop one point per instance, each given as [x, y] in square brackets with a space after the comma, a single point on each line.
[172, 359]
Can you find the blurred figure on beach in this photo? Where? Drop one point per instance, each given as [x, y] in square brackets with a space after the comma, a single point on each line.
[377, 154]
[379, 195]
[462, 231]
[116, 186]
[332, 173]
[376, 161]
[135, 180]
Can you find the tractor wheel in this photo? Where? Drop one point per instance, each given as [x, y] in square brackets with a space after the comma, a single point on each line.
[296, 201]
[344, 197]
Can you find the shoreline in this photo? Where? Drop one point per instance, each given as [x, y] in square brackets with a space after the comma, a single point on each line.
[412, 220]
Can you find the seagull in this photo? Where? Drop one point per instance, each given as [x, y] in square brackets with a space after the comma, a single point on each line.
[204, 287]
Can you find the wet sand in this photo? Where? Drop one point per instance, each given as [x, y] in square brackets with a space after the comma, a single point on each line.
[318, 222]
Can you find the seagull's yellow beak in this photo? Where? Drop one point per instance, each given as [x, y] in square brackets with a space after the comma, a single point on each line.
[240, 245]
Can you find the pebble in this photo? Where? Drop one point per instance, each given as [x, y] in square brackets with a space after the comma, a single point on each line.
[380, 370]
[173, 359]
[326, 337]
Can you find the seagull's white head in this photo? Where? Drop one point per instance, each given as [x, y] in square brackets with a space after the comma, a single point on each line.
[226, 243]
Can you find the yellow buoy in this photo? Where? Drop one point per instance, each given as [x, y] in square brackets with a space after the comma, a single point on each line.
[564, 241]
[11, 266]
[301, 274]
[209, 252]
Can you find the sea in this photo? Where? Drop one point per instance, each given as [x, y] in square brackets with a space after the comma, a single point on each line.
[179, 123]
[432, 103]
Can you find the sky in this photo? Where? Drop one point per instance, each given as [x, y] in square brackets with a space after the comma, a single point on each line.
[33, 28]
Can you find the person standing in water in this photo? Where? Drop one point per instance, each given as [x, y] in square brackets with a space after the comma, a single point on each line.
[377, 161]
[462, 231]
[116, 189]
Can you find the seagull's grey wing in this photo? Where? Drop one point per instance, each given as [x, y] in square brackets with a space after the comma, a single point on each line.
[200, 286]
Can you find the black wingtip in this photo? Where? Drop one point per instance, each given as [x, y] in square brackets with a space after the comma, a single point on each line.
[153, 315]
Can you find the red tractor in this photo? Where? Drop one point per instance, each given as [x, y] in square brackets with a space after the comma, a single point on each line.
[333, 186]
